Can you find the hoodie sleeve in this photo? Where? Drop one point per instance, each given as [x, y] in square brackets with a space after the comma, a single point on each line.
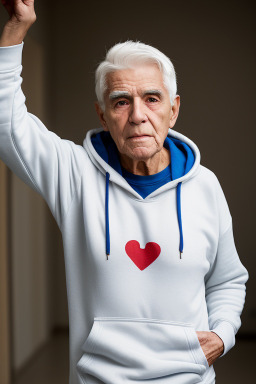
[44, 161]
[225, 281]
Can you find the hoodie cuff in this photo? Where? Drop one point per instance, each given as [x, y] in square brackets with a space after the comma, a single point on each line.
[11, 57]
[226, 332]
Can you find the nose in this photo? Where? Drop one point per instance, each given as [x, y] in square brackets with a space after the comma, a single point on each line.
[137, 113]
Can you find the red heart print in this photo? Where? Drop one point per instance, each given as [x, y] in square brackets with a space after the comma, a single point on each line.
[142, 257]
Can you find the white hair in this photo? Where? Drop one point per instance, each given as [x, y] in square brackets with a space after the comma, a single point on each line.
[127, 54]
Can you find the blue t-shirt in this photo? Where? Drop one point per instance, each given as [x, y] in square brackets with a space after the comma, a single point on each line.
[144, 185]
[182, 160]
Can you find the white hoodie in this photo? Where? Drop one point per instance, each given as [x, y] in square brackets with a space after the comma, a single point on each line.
[133, 317]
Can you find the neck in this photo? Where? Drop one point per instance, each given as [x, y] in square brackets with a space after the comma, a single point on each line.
[146, 167]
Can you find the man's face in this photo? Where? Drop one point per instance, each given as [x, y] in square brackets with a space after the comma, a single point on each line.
[138, 111]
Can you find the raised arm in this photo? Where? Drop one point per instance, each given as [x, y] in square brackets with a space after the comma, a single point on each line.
[44, 161]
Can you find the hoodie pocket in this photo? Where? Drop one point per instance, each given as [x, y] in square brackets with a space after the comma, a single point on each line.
[125, 349]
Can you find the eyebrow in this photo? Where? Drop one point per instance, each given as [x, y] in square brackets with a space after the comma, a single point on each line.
[156, 92]
[119, 94]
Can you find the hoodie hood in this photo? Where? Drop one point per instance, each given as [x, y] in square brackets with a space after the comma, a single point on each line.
[185, 161]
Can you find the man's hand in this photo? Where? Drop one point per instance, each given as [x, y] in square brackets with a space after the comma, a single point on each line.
[211, 344]
[22, 16]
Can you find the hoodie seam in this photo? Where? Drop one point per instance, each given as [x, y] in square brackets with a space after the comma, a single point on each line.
[219, 321]
[227, 229]
[83, 380]
[10, 70]
[77, 186]
[212, 261]
[152, 200]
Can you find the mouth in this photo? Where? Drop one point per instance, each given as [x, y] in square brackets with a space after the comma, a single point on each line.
[139, 138]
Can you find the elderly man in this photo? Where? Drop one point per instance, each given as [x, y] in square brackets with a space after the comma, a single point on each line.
[155, 285]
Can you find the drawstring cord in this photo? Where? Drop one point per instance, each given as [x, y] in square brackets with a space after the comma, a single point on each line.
[107, 217]
[179, 218]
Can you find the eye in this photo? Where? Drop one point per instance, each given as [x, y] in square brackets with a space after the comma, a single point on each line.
[121, 103]
[152, 99]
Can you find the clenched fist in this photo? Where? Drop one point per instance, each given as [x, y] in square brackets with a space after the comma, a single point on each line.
[20, 11]
[21, 16]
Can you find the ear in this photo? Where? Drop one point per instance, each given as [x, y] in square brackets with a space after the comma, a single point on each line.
[175, 111]
[100, 113]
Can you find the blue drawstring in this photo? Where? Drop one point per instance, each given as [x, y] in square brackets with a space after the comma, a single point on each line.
[107, 216]
[179, 218]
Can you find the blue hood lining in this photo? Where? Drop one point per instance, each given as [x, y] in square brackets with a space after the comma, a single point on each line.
[182, 160]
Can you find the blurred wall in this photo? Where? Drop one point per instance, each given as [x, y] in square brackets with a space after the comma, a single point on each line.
[28, 231]
[36, 267]
[4, 279]
[211, 46]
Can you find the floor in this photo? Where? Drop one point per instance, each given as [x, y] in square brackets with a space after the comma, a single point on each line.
[50, 365]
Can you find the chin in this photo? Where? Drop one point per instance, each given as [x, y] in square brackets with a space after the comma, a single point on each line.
[141, 153]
